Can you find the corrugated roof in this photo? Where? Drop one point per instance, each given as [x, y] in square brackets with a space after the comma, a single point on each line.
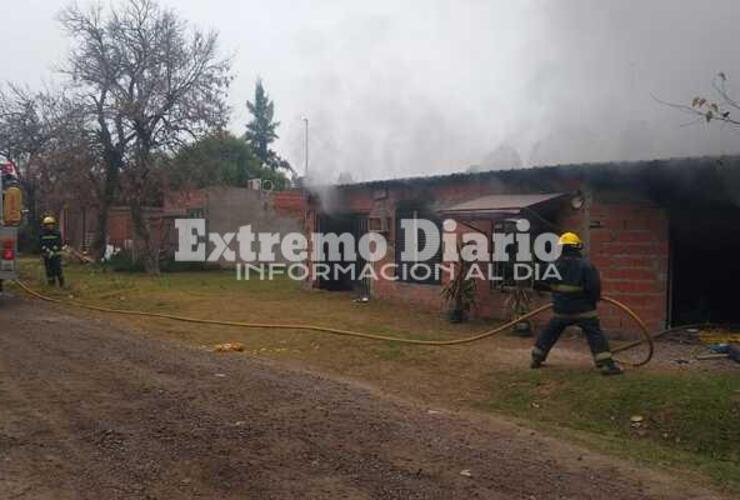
[500, 203]
[568, 168]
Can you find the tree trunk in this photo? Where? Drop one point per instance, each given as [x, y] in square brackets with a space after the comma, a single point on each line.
[101, 232]
[142, 232]
[141, 191]
[110, 187]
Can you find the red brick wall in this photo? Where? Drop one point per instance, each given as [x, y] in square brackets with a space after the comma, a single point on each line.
[120, 227]
[491, 303]
[290, 203]
[629, 246]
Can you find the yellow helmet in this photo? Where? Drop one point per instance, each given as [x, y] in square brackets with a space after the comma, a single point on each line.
[49, 220]
[570, 239]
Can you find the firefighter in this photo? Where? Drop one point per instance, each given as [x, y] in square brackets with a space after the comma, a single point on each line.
[51, 250]
[575, 294]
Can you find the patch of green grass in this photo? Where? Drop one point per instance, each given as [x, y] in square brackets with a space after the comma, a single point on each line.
[217, 293]
[690, 419]
[95, 282]
[391, 351]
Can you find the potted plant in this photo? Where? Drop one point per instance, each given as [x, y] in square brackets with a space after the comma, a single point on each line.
[460, 294]
[519, 303]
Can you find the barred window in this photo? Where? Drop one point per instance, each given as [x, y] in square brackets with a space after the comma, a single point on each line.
[505, 271]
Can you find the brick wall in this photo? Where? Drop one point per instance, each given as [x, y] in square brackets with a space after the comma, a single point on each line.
[290, 203]
[227, 208]
[626, 237]
[120, 227]
[629, 244]
[384, 200]
[179, 202]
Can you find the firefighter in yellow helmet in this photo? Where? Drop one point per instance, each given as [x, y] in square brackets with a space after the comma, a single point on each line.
[575, 293]
[50, 242]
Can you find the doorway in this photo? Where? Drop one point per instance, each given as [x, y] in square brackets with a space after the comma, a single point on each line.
[343, 272]
[705, 264]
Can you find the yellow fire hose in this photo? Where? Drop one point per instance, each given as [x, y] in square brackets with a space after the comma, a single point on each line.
[647, 338]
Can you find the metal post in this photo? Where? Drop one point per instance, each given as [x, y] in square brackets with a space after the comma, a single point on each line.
[305, 173]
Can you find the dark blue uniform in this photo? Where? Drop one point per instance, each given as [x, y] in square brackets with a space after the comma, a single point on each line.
[574, 298]
[51, 245]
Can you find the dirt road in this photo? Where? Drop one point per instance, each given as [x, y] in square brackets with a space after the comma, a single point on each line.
[90, 410]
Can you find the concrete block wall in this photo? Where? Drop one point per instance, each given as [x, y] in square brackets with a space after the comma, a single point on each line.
[179, 202]
[226, 208]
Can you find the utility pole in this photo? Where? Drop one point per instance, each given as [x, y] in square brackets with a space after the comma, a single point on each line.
[309, 219]
[305, 173]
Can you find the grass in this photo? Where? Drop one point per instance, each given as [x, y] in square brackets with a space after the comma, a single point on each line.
[691, 418]
[688, 419]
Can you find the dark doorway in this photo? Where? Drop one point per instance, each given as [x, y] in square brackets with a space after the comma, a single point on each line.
[705, 264]
[339, 279]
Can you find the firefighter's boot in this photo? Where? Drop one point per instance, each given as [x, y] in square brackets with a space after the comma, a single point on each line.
[609, 367]
[537, 359]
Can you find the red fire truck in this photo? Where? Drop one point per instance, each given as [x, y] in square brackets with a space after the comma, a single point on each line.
[11, 214]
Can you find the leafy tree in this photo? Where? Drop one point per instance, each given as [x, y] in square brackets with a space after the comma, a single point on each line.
[261, 130]
[214, 160]
[218, 159]
[276, 178]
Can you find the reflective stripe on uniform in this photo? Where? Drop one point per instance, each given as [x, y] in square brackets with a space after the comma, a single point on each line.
[537, 351]
[602, 356]
[583, 315]
[563, 288]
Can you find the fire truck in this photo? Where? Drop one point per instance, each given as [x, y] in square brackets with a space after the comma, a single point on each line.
[11, 215]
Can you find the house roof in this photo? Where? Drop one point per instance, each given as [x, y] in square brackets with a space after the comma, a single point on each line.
[622, 168]
[499, 203]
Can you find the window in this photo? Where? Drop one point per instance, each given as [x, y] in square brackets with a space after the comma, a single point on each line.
[418, 271]
[377, 224]
[505, 272]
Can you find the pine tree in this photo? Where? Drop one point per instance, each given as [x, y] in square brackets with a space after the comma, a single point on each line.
[261, 130]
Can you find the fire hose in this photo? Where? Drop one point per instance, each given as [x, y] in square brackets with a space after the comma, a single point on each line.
[645, 334]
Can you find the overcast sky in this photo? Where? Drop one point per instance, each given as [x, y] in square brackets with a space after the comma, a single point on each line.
[397, 88]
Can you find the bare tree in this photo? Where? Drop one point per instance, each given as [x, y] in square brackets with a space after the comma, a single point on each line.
[21, 130]
[721, 107]
[22, 137]
[43, 134]
[151, 82]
